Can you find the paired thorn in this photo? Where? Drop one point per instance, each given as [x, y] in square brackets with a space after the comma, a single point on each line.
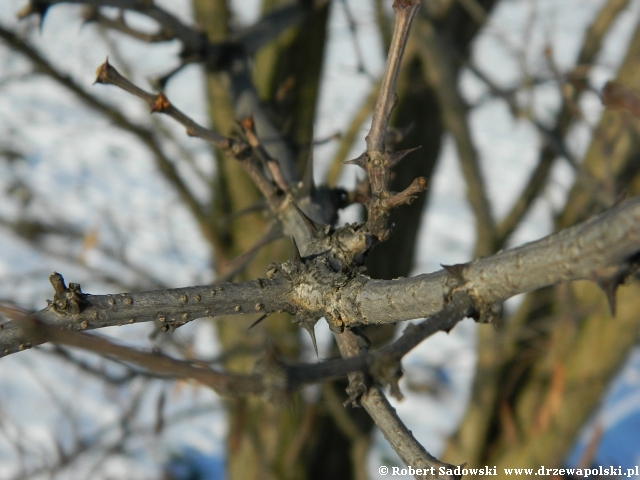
[360, 161]
[394, 158]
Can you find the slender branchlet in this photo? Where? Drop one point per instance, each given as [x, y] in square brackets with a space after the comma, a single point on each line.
[377, 161]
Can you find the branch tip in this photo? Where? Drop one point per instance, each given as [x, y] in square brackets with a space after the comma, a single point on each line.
[57, 282]
[399, 5]
[102, 72]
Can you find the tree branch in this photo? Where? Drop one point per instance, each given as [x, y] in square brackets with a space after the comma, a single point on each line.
[71, 309]
[164, 164]
[603, 249]
[384, 415]
[405, 13]
[555, 145]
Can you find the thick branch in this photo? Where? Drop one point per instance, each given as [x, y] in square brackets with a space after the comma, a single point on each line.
[592, 249]
[601, 248]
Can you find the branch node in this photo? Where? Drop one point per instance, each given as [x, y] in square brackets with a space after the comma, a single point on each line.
[160, 103]
[358, 386]
[387, 370]
[66, 301]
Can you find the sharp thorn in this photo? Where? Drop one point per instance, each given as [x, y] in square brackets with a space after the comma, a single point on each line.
[297, 257]
[611, 300]
[42, 11]
[310, 224]
[261, 318]
[360, 161]
[394, 158]
[455, 271]
[608, 280]
[312, 334]
[609, 288]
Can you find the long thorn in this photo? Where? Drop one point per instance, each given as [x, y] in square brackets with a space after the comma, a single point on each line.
[261, 318]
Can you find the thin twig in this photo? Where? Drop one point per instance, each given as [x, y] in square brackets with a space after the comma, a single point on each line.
[537, 180]
[165, 165]
[224, 383]
[387, 420]
[387, 99]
